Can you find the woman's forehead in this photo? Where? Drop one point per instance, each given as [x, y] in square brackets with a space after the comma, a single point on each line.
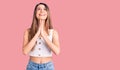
[41, 6]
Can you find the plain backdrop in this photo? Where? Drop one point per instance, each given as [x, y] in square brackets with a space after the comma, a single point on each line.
[89, 33]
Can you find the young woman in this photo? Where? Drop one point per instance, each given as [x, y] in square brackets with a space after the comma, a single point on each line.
[40, 40]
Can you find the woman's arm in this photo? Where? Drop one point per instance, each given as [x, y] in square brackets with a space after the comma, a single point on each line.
[27, 46]
[54, 45]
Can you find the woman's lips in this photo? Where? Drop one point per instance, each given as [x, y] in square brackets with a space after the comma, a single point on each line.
[42, 14]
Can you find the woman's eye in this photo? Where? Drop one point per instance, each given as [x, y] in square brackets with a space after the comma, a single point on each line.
[38, 9]
[41, 9]
[45, 9]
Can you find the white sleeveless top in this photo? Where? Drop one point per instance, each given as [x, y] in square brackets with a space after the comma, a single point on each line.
[41, 49]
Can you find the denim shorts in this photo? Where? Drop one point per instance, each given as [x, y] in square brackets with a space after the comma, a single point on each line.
[36, 66]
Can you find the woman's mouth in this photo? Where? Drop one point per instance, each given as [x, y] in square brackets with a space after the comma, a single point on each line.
[42, 14]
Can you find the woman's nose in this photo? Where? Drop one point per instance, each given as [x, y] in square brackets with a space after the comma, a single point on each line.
[42, 10]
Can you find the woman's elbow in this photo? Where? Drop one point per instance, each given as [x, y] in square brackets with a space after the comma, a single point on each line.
[24, 52]
[57, 52]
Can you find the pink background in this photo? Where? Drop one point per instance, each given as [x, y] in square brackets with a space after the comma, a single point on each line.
[89, 32]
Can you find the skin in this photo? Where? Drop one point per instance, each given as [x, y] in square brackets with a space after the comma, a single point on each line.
[28, 45]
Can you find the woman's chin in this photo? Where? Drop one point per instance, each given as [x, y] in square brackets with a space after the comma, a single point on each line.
[42, 18]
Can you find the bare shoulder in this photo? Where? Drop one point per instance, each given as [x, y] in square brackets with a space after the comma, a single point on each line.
[26, 32]
[55, 33]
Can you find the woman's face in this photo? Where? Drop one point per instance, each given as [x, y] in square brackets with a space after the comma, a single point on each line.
[41, 12]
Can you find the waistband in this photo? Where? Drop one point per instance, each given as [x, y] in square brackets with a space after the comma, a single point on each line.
[40, 64]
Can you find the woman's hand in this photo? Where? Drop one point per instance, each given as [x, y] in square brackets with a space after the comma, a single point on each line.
[42, 31]
[41, 28]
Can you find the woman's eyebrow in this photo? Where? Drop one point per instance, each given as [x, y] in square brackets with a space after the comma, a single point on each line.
[39, 7]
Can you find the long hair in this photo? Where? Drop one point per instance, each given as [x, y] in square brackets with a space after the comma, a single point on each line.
[34, 26]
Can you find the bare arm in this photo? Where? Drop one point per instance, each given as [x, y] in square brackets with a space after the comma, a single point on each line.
[27, 46]
[54, 45]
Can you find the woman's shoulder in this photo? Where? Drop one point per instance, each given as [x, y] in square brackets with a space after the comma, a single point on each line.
[26, 32]
[54, 31]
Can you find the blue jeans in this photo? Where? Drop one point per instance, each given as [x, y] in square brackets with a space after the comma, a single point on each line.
[36, 66]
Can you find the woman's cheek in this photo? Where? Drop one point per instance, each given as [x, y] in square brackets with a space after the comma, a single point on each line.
[37, 16]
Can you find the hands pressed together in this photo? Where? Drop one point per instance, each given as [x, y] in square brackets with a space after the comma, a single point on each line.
[41, 28]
